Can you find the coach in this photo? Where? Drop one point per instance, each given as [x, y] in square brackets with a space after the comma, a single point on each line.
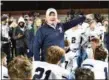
[52, 33]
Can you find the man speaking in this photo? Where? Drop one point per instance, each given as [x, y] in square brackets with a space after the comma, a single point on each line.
[52, 33]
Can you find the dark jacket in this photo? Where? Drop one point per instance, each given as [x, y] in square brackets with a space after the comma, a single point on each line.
[31, 42]
[22, 41]
[47, 36]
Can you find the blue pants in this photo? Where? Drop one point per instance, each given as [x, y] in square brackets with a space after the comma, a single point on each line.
[82, 56]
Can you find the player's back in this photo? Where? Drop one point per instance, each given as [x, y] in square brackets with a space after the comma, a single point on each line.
[44, 70]
[100, 68]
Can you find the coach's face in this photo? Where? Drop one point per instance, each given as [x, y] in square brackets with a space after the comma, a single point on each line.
[52, 18]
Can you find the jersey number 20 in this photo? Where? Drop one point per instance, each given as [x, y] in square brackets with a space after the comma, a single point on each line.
[41, 70]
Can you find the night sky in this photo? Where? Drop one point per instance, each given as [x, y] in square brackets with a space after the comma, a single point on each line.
[43, 5]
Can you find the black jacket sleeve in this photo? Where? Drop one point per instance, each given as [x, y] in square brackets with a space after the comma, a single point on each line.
[73, 23]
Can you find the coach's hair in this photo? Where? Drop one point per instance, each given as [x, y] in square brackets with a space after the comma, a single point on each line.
[54, 54]
[20, 68]
[100, 53]
[84, 74]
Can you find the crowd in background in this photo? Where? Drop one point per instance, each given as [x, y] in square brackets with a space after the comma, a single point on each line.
[17, 34]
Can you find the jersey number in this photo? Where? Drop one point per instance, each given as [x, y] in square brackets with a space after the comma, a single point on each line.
[90, 37]
[66, 63]
[39, 76]
[73, 39]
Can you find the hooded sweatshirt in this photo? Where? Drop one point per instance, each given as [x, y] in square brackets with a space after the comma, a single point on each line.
[47, 36]
[47, 17]
[21, 19]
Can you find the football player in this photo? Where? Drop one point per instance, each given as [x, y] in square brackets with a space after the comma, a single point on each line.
[91, 31]
[73, 35]
[76, 39]
[70, 62]
[84, 74]
[97, 64]
[51, 69]
[20, 68]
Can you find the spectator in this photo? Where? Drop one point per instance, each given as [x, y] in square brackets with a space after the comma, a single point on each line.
[43, 21]
[37, 24]
[12, 26]
[28, 22]
[32, 32]
[20, 35]
[5, 39]
[36, 15]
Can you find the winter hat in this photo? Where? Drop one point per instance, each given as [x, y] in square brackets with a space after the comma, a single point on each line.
[21, 19]
[51, 10]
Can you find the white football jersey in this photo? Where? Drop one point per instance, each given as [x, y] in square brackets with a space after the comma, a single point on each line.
[44, 70]
[74, 37]
[102, 30]
[99, 68]
[98, 31]
[84, 26]
[70, 62]
[3, 73]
